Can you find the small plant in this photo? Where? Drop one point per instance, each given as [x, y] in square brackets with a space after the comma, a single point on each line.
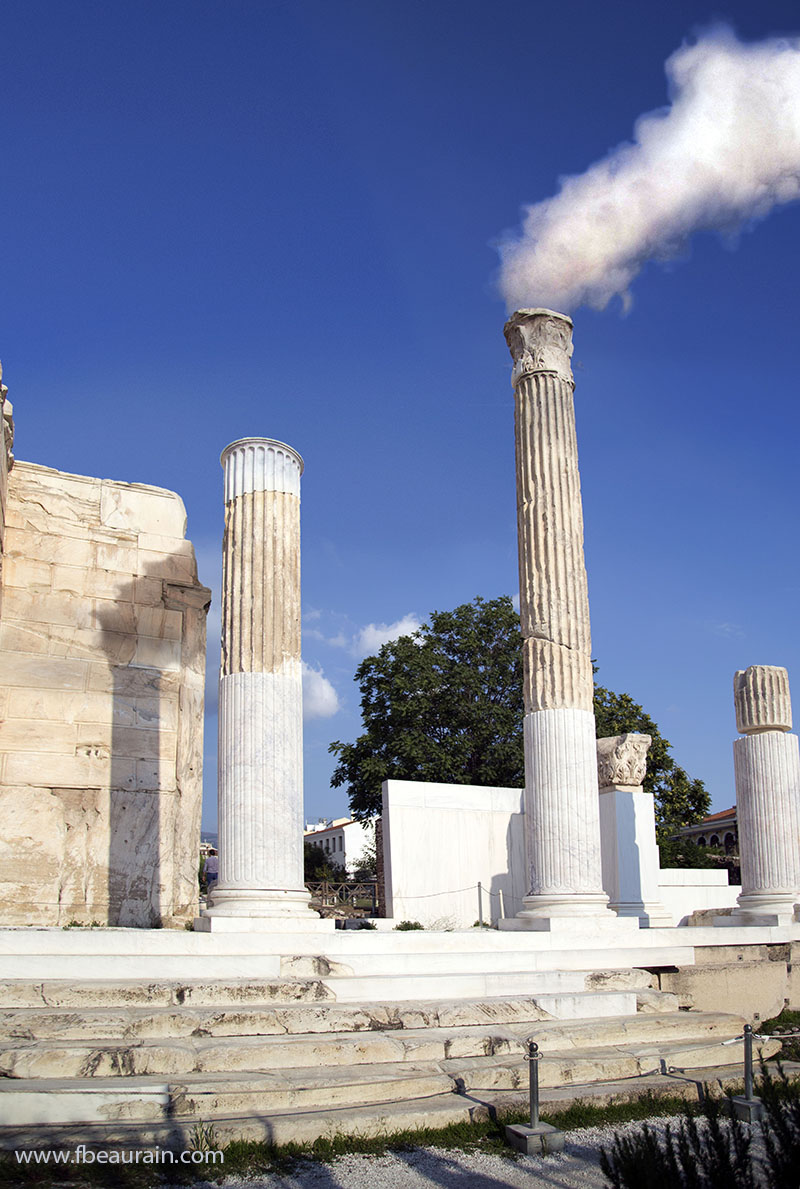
[405, 926]
[778, 1025]
[364, 924]
[716, 1153]
[203, 1138]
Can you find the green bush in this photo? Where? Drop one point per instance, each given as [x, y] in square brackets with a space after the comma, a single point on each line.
[406, 925]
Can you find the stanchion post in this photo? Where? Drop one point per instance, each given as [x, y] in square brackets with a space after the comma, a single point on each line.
[539, 1139]
[533, 1071]
[748, 1062]
[480, 904]
[745, 1106]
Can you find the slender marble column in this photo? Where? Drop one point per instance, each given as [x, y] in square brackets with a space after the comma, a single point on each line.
[260, 759]
[767, 766]
[562, 824]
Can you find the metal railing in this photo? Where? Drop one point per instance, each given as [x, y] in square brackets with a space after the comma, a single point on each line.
[331, 898]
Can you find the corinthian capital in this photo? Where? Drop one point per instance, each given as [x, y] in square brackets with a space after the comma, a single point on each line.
[539, 341]
[622, 759]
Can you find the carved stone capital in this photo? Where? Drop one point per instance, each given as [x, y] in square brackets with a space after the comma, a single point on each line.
[622, 759]
[762, 699]
[539, 341]
[260, 464]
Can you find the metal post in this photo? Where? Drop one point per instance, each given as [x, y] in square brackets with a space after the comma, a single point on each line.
[533, 1074]
[480, 906]
[748, 1062]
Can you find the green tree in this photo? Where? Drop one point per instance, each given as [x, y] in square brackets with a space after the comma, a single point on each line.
[316, 866]
[445, 704]
[679, 800]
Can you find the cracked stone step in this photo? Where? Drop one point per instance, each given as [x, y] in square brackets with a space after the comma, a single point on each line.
[147, 1023]
[25, 1058]
[123, 993]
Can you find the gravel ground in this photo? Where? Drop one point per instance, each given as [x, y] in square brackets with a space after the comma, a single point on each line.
[421, 1168]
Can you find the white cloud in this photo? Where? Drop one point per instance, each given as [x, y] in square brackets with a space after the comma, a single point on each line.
[369, 639]
[320, 699]
[515, 601]
[732, 630]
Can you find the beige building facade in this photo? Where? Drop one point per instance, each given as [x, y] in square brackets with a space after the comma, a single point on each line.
[102, 666]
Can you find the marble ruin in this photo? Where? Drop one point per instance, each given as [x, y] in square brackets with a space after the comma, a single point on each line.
[263, 1021]
[628, 831]
[767, 766]
[561, 804]
[102, 663]
[260, 758]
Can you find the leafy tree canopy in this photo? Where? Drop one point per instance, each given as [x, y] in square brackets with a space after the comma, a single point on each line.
[445, 704]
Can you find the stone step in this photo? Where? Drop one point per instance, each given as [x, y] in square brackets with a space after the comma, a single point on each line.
[305, 978]
[82, 955]
[302, 1104]
[170, 1056]
[90, 993]
[401, 965]
[393, 988]
[131, 1024]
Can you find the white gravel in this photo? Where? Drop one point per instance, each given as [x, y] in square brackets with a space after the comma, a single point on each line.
[420, 1168]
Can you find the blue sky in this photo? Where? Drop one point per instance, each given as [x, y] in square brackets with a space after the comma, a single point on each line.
[226, 219]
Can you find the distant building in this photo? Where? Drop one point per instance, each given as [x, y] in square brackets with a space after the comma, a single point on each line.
[716, 829]
[342, 840]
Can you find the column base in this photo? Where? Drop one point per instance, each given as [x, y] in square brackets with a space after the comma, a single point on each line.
[761, 910]
[603, 927]
[566, 904]
[260, 902]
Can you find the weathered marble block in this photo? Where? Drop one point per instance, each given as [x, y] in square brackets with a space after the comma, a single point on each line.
[102, 660]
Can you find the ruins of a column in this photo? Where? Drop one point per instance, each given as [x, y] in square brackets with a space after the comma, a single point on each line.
[561, 797]
[260, 759]
[767, 766]
[628, 831]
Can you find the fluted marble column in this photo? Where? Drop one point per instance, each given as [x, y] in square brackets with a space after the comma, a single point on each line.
[767, 766]
[562, 826]
[260, 759]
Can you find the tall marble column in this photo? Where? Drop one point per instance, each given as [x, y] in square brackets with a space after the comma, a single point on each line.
[562, 826]
[260, 759]
[767, 766]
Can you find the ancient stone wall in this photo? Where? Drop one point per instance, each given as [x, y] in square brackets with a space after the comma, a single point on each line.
[6, 462]
[102, 659]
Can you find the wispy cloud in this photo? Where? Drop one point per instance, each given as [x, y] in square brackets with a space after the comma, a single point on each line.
[320, 699]
[370, 638]
[365, 641]
[731, 630]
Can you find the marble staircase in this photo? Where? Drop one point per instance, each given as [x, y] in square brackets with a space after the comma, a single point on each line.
[143, 1062]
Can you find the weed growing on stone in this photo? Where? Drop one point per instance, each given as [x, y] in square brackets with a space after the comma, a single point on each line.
[790, 1045]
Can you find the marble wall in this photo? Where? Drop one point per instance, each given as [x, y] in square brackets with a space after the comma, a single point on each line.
[102, 660]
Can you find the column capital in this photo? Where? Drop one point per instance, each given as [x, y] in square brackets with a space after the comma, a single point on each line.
[539, 341]
[260, 464]
[622, 759]
[762, 699]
